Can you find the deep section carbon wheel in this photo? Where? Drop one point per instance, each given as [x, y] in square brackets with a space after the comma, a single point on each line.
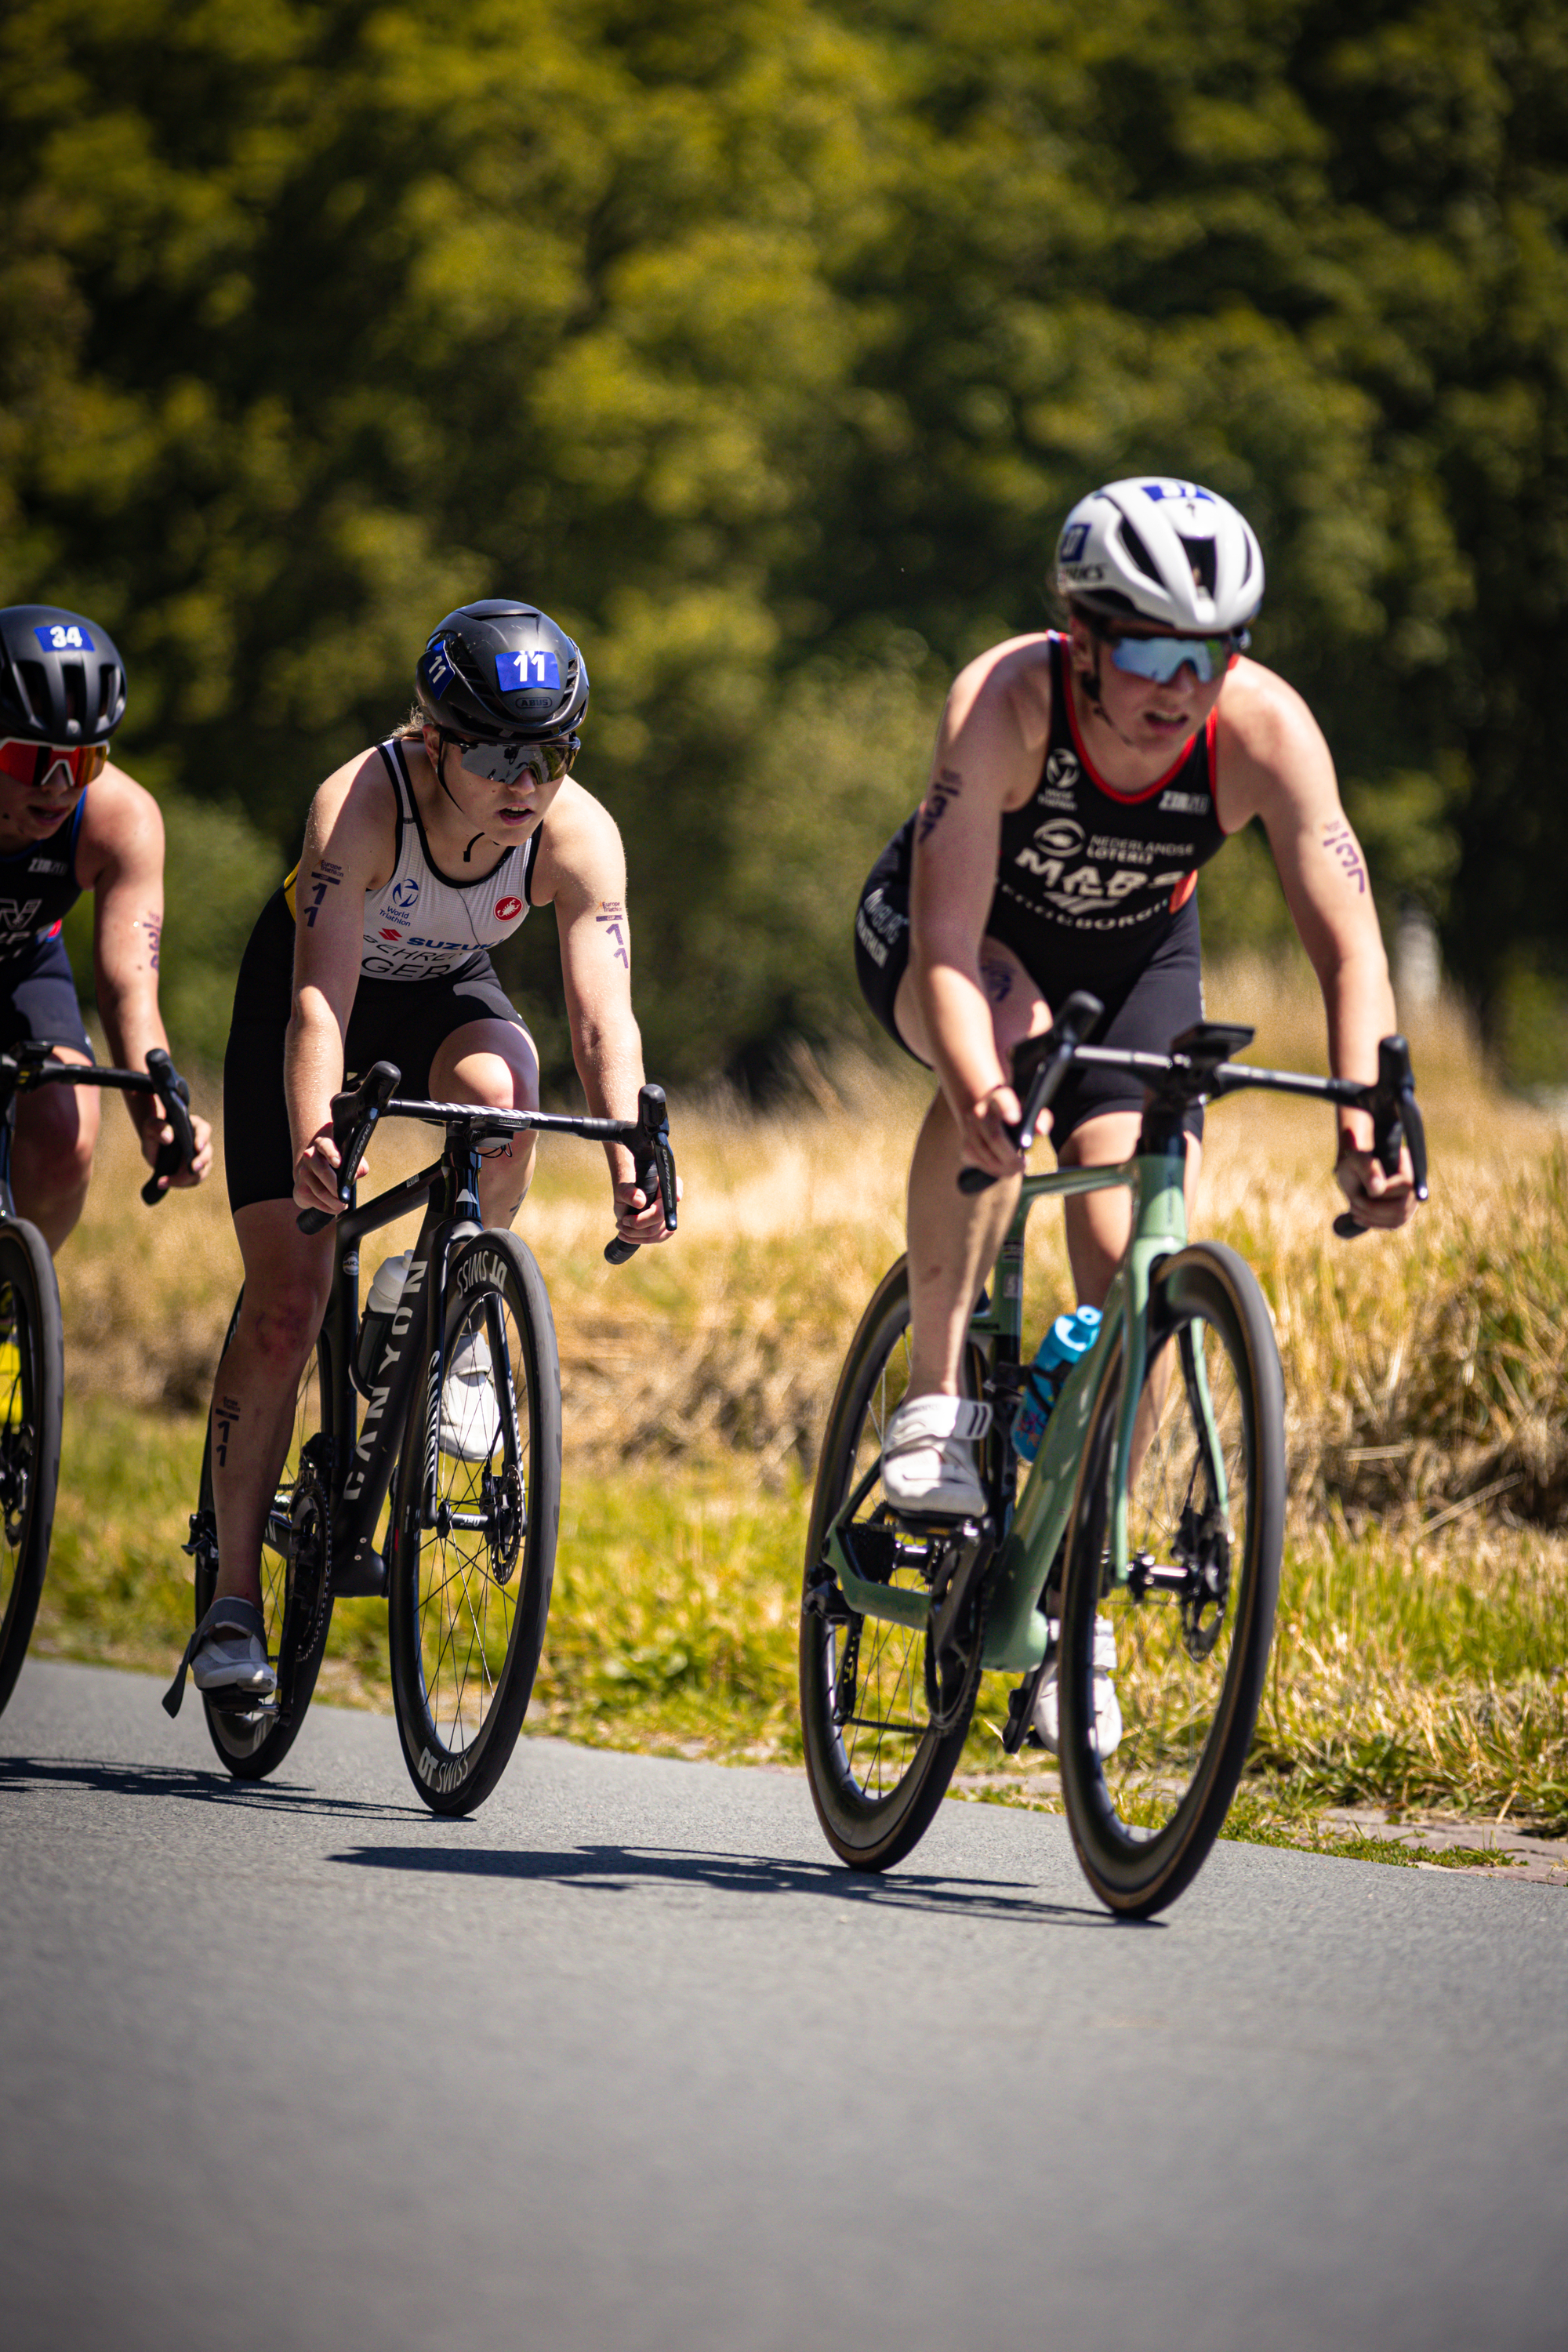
[1193, 1621]
[32, 1385]
[884, 1719]
[474, 1541]
[296, 1583]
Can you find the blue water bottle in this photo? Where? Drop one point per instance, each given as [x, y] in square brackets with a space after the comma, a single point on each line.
[1067, 1340]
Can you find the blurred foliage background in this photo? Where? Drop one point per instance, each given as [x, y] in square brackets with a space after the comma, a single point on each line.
[764, 342]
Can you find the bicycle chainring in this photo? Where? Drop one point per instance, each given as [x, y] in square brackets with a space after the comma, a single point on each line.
[310, 1560]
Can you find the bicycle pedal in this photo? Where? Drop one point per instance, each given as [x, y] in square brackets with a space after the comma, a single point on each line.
[242, 1703]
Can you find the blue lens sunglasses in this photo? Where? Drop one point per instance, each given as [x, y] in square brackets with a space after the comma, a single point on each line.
[1161, 657]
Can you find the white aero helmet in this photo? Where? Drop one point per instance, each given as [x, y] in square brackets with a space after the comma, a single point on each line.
[1163, 550]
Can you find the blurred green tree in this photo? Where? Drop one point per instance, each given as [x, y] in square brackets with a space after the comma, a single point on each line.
[765, 345]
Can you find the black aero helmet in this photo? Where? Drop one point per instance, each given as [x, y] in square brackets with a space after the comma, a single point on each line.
[501, 672]
[61, 677]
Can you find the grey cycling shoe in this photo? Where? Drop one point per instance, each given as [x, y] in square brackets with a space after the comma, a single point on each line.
[928, 1458]
[227, 1656]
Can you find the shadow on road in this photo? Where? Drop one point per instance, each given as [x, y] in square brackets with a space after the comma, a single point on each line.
[618, 1869]
[19, 1774]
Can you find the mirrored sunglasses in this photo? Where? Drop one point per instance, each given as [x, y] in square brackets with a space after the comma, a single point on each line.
[504, 763]
[1161, 657]
[29, 763]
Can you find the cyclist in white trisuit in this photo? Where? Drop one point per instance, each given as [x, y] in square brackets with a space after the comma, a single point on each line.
[420, 856]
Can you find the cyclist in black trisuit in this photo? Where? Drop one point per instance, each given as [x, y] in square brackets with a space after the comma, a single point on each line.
[1082, 777]
[420, 856]
[71, 821]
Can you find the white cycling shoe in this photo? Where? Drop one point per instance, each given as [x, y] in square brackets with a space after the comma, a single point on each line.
[470, 1416]
[232, 1654]
[1107, 1707]
[928, 1458]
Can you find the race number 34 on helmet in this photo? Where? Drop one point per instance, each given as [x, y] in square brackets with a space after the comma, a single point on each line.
[62, 694]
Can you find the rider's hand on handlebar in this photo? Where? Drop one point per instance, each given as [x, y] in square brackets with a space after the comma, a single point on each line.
[157, 1134]
[984, 1140]
[635, 1219]
[1375, 1198]
[318, 1171]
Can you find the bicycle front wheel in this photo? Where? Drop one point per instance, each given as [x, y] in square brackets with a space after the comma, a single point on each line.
[296, 1586]
[32, 1386]
[474, 1554]
[1191, 1621]
[884, 1722]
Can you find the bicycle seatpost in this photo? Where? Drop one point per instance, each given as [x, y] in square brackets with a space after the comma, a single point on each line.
[175, 1095]
[1039, 1065]
[354, 1119]
[1397, 1121]
[655, 1165]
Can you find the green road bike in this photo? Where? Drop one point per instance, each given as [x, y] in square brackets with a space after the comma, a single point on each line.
[1155, 1507]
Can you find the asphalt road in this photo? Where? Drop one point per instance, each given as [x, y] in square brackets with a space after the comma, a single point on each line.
[623, 2062]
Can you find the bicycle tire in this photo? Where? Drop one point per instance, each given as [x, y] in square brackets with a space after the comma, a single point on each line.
[468, 1605]
[32, 1394]
[1191, 1654]
[875, 1796]
[253, 1743]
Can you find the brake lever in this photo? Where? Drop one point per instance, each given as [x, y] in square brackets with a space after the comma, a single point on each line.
[175, 1095]
[653, 1167]
[1396, 1124]
[1052, 1056]
[365, 1107]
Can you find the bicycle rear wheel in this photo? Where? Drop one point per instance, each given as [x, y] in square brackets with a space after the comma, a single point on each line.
[470, 1593]
[32, 1386]
[296, 1586]
[884, 1721]
[1206, 1515]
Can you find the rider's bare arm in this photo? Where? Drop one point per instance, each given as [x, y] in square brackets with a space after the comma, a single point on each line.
[582, 871]
[1274, 763]
[989, 747]
[120, 858]
[348, 850]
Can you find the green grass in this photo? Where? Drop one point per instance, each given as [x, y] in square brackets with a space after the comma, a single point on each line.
[1409, 1675]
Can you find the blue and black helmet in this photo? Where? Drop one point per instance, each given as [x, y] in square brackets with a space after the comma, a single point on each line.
[500, 672]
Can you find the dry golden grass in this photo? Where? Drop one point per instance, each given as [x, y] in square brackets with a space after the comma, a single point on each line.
[1424, 1624]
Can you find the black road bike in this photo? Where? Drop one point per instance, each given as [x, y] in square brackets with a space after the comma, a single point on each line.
[32, 1348]
[468, 1555]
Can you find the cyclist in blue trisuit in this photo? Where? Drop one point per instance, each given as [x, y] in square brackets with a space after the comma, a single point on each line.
[420, 856]
[1080, 779]
[71, 821]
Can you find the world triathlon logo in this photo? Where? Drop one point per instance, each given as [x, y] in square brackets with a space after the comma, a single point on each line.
[400, 904]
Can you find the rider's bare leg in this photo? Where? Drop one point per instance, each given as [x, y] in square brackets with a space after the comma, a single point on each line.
[1099, 1224]
[954, 1236]
[493, 1062]
[51, 1156]
[287, 1275]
